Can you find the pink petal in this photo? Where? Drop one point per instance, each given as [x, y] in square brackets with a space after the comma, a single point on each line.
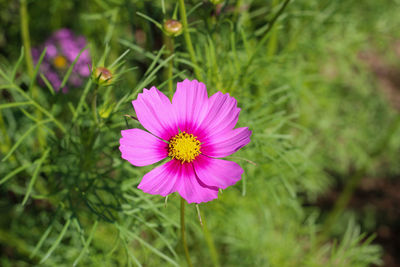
[162, 180]
[192, 189]
[222, 114]
[190, 102]
[155, 113]
[217, 172]
[176, 177]
[226, 143]
[141, 148]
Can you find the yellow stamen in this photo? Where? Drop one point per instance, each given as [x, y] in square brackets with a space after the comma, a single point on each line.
[60, 62]
[184, 147]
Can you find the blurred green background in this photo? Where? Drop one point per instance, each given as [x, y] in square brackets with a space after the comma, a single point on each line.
[317, 83]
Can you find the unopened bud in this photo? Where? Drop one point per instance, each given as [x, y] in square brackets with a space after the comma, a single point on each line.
[102, 75]
[216, 2]
[105, 111]
[173, 27]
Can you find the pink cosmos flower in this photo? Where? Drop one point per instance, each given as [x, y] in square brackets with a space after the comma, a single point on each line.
[193, 131]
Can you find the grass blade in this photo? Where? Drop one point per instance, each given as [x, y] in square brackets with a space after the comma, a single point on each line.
[130, 234]
[150, 68]
[82, 100]
[14, 172]
[48, 84]
[69, 71]
[16, 66]
[85, 248]
[149, 19]
[33, 79]
[22, 138]
[15, 104]
[119, 58]
[57, 242]
[41, 241]
[34, 176]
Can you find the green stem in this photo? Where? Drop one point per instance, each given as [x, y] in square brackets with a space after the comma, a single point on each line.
[169, 43]
[236, 12]
[210, 241]
[25, 37]
[188, 41]
[6, 145]
[184, 244]
[29, 62]
[94, 104]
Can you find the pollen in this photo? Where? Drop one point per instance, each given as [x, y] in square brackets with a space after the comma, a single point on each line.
[60, 62]
[184, 147]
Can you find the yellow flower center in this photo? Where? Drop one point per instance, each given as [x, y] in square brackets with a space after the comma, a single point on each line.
[60, 62]
[184, 147]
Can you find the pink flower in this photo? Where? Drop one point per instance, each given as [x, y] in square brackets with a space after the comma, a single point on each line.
[193, 131]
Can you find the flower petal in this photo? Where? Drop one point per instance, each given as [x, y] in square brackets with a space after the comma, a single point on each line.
[192, 188]
[190, 102]
[141, 148]
[162, 180]
[217, 172]
[222, 114]
[176, 177]
[155, 113]
[226, 143]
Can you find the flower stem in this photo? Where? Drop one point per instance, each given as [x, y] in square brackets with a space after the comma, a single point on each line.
[209, 241]
[184, 244]
[94, 104]
[6, 144]
[25, 37]
[23, 10]
[188, 41]
[169, 43]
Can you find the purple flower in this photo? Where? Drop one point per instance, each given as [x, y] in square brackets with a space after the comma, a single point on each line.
[193, 131]
[62, 49]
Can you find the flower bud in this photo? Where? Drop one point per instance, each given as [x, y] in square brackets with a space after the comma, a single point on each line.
[172, 27]
[216, 2]
[102, 75]
[105, 111]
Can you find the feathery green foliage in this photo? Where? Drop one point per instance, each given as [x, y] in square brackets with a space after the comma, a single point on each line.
[67, 197]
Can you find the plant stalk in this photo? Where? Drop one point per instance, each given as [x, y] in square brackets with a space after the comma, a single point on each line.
[184, 244]
[94, 104]
[188, 41]
[209, 241]
[25, 37]
[169, 43]
[29, 63]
